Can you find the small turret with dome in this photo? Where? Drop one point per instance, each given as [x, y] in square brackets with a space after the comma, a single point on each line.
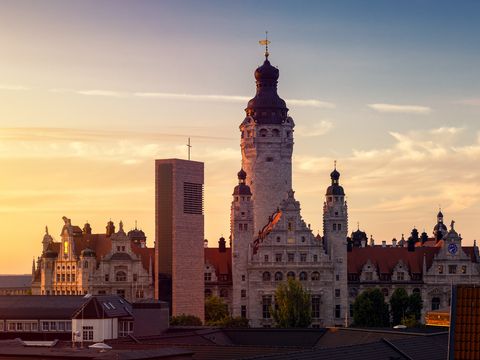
[242, 188]
[137, 236]
[335, 188]
[440, 229]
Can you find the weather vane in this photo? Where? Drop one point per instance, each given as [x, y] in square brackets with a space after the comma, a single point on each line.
[265, 42]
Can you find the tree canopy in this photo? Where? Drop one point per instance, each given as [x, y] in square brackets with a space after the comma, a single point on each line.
[405, 308]
[215, 310]
[293, 307]
[399, 305]
[370, 309]
[185, 320]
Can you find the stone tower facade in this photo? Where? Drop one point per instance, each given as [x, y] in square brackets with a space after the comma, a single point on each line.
[335, 229]
[241, 230]
[267, 145]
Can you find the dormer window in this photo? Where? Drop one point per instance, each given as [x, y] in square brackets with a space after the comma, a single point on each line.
[400, 276]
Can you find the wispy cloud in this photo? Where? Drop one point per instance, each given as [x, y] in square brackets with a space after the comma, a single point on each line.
[470, 102]
[13, 87]
[400, 109]
[315, 103]
[318, 129]
[128, 148]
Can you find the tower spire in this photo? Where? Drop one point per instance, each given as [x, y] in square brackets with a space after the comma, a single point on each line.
[265, 42]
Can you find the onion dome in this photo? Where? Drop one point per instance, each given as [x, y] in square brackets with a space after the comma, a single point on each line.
[358, 236]
[136, 234]
[50, 254]
[335, 188]
[267, 107]
[87, 253]
[424, 237]
[242, 175]
[242, 188]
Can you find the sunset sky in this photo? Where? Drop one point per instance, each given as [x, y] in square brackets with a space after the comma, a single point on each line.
[91, 92]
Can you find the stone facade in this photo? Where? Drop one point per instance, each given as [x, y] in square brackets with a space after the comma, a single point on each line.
[270, 241]
[429, 266]
[99, 264]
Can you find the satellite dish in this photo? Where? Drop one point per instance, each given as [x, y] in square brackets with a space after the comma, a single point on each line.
[100, 346]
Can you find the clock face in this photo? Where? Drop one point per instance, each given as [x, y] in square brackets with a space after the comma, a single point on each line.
[452, 248]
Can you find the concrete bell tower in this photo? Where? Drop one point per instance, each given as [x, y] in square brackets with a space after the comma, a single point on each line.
[335, 230]
[241, 235]
[267, 145]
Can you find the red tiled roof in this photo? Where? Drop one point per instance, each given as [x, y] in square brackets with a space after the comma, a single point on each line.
[222, 261]
[385, 259]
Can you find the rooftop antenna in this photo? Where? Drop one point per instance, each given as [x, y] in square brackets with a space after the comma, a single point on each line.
[335, 164]
[189, 147]
[265, 42]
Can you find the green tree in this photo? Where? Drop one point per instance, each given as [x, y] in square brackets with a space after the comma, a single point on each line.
[415, 305]
[293, 307]
[215, 310]
[185, 320]
[399, 305]
[233, 322]
[370, 309]
[404, 308]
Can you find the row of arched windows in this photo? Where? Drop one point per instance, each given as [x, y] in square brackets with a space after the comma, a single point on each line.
[302, 276]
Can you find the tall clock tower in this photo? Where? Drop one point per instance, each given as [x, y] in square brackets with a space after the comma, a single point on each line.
[267, 145]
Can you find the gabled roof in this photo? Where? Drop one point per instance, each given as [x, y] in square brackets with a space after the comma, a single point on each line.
[222, 261]
[386, 258]
[104, 306]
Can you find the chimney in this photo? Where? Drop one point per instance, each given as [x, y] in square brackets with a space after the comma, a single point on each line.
[221, 245]
[394, 242]
[384, 244]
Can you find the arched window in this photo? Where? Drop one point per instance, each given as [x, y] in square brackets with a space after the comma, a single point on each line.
[291, 275]
[435, 303]
[416, 291]
[278, 276]
[385, 292]
[315, 276]
[275, 132]
[121, 276]
[263, 132]
[303, 276]
[85, 264]
[266, 276]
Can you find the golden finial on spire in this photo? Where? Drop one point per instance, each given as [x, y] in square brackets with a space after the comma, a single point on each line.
[265, 42]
